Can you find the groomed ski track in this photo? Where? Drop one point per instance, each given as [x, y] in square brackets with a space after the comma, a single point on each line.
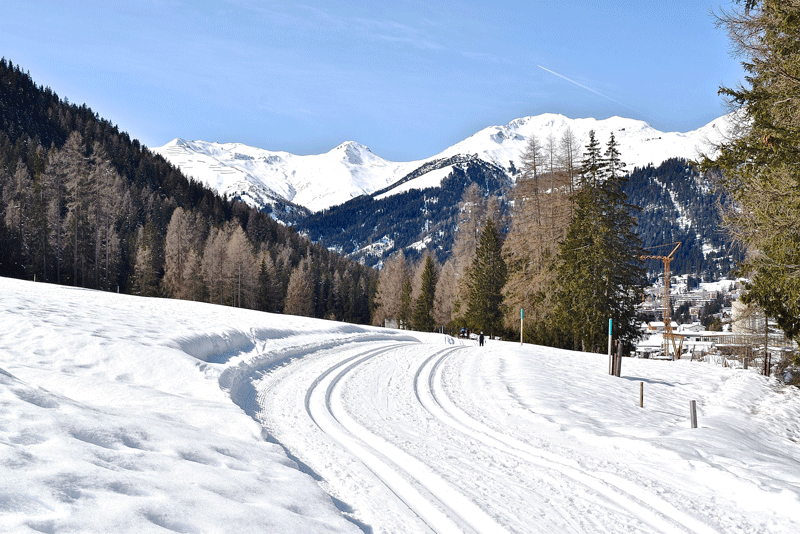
[415, 438]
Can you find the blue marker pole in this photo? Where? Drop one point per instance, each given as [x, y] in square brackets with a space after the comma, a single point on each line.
[610, 355]
[520, 326]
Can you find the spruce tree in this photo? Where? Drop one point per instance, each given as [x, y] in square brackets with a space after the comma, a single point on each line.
[405, 302]
[422, 317]
[486, 278]
[599, 272]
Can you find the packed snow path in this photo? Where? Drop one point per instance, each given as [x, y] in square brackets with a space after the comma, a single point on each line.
[436, 438]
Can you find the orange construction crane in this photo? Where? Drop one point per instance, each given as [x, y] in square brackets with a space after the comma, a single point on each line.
[669, 336]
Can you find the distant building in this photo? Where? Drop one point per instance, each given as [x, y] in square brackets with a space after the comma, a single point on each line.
[658, 326]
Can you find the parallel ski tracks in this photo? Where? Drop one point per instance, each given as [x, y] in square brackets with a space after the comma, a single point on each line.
[650, 509]
[435, 501]
[447, 506]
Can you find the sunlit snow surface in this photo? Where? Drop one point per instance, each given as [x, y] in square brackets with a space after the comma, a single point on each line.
[124, 414]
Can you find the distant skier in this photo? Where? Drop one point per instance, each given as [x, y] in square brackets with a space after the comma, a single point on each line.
[480, 339]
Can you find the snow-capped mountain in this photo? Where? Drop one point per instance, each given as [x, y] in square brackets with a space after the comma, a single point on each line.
[263, 177]
[639, 143]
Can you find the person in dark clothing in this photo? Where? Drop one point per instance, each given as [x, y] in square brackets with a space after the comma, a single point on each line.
[480, 339]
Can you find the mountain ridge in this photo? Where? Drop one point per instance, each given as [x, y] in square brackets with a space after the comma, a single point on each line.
[266, 179]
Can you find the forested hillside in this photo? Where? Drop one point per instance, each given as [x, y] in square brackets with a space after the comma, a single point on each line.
[83, 204]
[677, 204]
[370, 229]
[680, 204]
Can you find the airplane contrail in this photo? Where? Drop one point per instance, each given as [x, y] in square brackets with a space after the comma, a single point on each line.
[587, 88]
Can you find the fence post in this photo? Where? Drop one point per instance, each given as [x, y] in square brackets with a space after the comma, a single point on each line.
[693, 413]
[641, 394]
[618, 362]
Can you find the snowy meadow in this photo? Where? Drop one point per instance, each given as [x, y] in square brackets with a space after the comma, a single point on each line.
[126, 414]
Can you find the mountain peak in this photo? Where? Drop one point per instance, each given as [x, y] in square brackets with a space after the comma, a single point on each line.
[351, 144]
[354, 153]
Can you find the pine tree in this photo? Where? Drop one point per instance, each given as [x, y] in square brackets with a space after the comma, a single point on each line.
[487, 276]
[422, 318]
[761, 164]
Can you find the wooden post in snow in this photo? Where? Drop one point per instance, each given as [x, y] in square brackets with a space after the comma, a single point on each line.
[693, 413]
[641, 394]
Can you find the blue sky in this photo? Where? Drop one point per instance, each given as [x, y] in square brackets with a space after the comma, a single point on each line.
[407, 78]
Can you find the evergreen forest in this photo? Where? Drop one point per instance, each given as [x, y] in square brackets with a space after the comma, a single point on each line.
[370, 229]
[83, 204]
[678, 203]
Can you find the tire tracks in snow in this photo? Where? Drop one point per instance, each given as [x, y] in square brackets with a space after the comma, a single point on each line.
[435, 501]
[658, 514]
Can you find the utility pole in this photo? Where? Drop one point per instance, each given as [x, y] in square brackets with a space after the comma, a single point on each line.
[668, 334]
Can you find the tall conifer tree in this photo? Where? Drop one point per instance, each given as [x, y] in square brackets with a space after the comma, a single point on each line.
[487, 276]
[761, 163]
[599, 272]
[422, 318]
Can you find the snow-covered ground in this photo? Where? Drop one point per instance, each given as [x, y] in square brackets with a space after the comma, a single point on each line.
[124, 414]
